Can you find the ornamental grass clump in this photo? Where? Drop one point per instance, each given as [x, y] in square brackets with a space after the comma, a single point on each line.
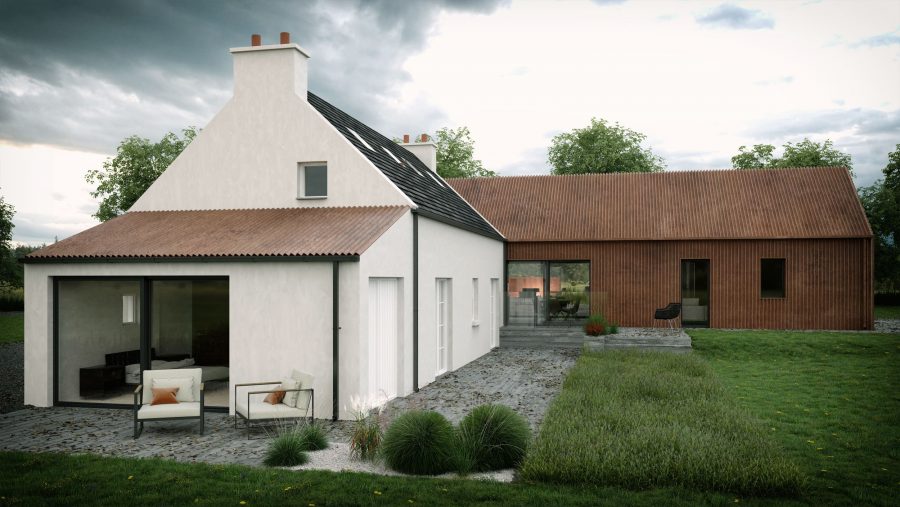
[491, 437]
[366, 438]
[313, 437]
[419, 442]
[287, 450]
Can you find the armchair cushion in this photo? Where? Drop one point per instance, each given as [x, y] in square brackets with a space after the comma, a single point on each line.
[185, 387]
[263, 410]
[164, 396]
[196, 374]
[189, 409]
[275, 397]
[290, 397]
[306, 382]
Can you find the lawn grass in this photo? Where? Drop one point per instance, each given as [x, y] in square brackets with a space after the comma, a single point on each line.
[641, 420]
[12, 328]
[73, 480]
[887, 312]
[831, 399]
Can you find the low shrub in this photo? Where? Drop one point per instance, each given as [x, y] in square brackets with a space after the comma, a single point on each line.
[419, 442]
[491, 437]
[287, 450]
[12, 299]
[597, 325]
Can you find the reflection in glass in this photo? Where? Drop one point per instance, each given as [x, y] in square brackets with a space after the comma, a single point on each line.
[99, 334]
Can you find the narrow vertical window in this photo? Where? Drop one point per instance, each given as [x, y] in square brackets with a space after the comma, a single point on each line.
[128, 309]
[312, 181]
[772, 278]
[474, 301]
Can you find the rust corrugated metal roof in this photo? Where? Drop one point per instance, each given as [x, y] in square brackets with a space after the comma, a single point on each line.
[287, 232]
[726, 204]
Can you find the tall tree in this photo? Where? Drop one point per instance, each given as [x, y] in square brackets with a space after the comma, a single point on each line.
[137, 164]
[881, 201]
[7, 212]
[602, 148]
[456, 154]
[806, 153]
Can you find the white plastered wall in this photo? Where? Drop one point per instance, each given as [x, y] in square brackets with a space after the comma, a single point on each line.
[389, 257]
[247, 156]
[450, 252]
[280, 320]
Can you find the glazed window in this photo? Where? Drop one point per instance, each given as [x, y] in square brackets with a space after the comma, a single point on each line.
[772, 278]
[312, 181]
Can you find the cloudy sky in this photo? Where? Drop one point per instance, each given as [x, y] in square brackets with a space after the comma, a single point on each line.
[699, 78]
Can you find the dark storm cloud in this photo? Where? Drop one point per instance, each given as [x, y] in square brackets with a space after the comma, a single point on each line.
[733, 16]
[88, 73]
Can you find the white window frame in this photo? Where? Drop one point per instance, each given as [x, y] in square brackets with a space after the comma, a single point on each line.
[475, 322]
[301, 181]
[443, 323]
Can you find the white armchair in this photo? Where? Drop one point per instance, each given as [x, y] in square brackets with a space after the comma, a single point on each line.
[190, 397]
[298, 403]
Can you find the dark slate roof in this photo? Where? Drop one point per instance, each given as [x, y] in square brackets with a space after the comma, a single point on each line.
[434, 197]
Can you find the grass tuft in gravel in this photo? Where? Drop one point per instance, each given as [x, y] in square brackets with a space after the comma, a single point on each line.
[491, 437]
[419, 442]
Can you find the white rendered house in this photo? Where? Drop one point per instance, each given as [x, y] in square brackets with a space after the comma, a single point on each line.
[287, 235]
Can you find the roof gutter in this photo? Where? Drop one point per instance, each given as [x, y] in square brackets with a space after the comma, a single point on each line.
[206, 258]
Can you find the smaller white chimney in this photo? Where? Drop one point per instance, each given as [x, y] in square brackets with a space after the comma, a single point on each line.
[424, 149]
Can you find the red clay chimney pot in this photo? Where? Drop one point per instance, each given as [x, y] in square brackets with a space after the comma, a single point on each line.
[285, 38]
[405, 138]
[424, 138]
[256, 40]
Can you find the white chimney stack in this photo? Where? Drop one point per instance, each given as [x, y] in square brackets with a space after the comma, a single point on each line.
[423, 148]
[270, 69]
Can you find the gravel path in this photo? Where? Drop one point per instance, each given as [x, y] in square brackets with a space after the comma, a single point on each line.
[525, 380]
[12, 377]
[887, 325]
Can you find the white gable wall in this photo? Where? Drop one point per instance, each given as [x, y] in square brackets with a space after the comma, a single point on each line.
[247, 156]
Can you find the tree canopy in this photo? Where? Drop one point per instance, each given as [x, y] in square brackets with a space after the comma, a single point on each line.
[806, 153]
[137, 164]
[881, 201]
[602, 148]
[456, 154]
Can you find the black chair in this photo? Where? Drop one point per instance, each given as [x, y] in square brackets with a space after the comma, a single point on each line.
[669, 313]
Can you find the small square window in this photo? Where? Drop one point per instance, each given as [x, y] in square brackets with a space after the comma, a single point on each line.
[312, 181]
[772, 278]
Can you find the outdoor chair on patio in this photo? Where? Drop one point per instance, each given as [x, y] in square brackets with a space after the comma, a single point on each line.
[168, 395]
[669, 313]
[291, 398]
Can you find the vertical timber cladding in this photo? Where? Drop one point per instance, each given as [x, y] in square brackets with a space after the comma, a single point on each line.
[828, 282]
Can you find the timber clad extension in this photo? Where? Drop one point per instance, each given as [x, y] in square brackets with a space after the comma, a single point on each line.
[636, 230]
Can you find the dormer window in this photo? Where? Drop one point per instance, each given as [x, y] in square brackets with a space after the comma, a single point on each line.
[312, 180]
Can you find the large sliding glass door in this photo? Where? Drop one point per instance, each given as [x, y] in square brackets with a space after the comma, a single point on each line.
[108, 330]
[548, 292]
[189, 329]
[98, 335]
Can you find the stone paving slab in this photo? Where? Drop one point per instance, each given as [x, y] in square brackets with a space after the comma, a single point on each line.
[524, 380]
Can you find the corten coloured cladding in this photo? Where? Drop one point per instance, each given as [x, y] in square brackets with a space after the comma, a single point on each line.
[827, 281]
